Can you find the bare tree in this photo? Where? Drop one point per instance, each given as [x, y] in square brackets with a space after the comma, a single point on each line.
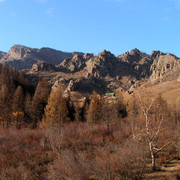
[157, 122]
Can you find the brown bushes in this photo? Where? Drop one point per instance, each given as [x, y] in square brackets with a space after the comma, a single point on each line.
[77, 151]
[21, 155]
[86, 152]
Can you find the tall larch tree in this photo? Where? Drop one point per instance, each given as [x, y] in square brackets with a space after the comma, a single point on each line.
[18, 107]
[94, 112]
[39, 101]
[27, 108]
[121, 107]
[55, 112]
[5, 106]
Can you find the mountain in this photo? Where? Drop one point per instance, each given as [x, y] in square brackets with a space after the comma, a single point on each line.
[164, 67]
[74, 64]
[106, 72]
[2, 54]
[87, 72]
[22, 57]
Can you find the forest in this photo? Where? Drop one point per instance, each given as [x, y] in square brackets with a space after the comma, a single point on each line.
[44, 135]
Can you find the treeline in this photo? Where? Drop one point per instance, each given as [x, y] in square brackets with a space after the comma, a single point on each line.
[23, 105]
[15, 92]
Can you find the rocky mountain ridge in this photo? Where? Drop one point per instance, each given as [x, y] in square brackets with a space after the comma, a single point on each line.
[87, 72]
[22, 57]
[106, 72]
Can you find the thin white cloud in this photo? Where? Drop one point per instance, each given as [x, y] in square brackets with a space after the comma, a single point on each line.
[49, 11]
[2, 0]
[177, 3]
[13, 14]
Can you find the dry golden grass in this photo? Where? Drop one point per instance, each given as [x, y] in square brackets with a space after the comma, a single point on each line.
[169, 171]
[170, 92]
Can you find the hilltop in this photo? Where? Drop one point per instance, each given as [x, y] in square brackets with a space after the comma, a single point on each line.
[87, 72]
[22, 57]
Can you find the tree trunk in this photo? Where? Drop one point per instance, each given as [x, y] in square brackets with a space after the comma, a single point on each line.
[152, 156]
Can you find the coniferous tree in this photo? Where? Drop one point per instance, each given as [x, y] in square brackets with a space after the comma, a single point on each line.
[132, 108]
[18, 106]
[70, 107]
[78, 114]
[94, 113]
[27, 108]
[39, 101]
[121, 108]
[55, 112]
[85, 107]
[5, 106]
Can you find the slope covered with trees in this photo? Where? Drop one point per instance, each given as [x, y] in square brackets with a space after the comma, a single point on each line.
[47, 135]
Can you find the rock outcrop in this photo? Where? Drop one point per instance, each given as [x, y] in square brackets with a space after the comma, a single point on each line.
[122, 72]
[164, 66]
[43, 66]
[53, 56]
[86, 72]
[74, 64]
[139, 62]
[22, 57]
[101, 65]
[2, 54]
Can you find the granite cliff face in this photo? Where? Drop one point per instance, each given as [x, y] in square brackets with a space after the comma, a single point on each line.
[22, 57]
[164, 67]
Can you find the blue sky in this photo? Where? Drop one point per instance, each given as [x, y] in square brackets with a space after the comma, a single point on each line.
[91, 25]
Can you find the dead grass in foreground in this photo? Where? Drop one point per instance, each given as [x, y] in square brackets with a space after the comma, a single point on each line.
[170, 171]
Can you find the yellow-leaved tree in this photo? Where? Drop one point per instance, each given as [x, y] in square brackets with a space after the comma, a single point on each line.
[55, 112]
[17, 107]
[94, 112]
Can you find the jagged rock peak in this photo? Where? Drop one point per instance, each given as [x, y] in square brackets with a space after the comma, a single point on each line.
[77, 56]
[88, 56]
[104, 53]
[22, 57]
[155, 54]
[74, 64]
[18, 51]
[105, 56]
[18, 47]
[135, 52]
